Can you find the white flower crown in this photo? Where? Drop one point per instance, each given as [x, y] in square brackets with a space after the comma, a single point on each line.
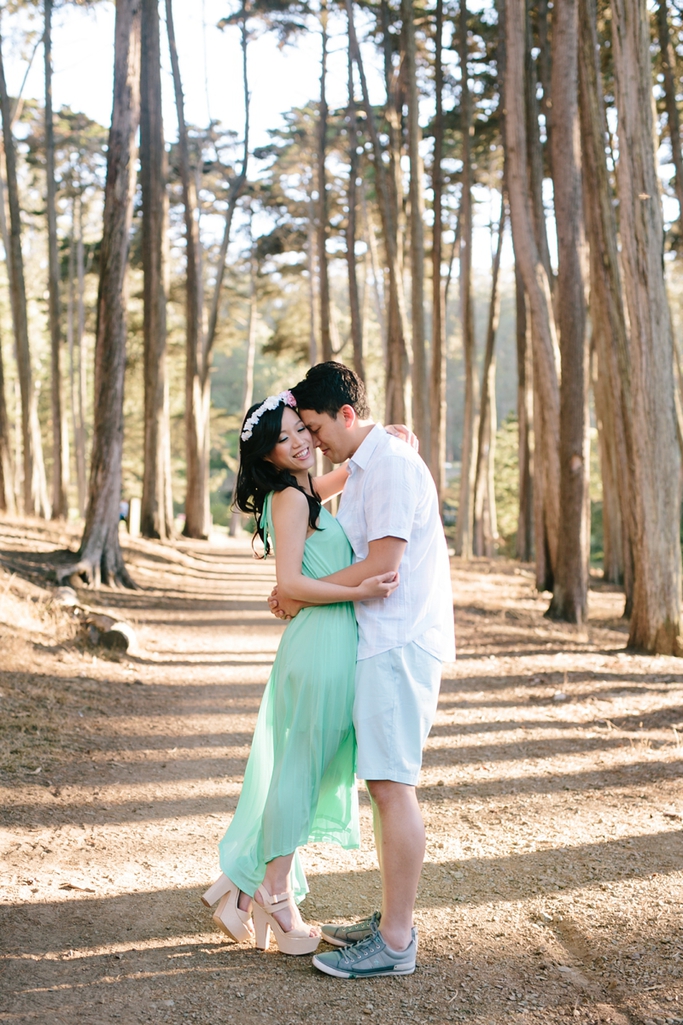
[272, 402]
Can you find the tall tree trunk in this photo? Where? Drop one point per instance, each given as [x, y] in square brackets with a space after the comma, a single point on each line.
[537, 286]
[525, 423]
[535, 150]
[70, 333]
[570, 594]
[310, 260]
[6, 471]
[396, 362]
[463, 536]
[154, 514]
[397, 365]
[34, 484]
[234, 194]
[612, 527]
[610, 332]
[74, 336]
[437, 391]
[420, 397]
[197, 383]
[545, 72]
[248, 389]
[351, 262]
[82, 364]
[100, 557]
[656, 616]
[323, 275]
[60, 507]
[484, 526]
[375, 268]
[672, 115]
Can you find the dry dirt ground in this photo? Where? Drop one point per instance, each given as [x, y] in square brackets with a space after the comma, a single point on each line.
[551, 791]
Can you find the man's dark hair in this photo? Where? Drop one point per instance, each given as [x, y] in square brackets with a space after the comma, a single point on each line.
[329, 386]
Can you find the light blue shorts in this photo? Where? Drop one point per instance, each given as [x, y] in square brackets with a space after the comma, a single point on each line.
[396, 696]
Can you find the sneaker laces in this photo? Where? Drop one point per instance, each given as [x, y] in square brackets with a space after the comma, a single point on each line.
[370, 923]
[370, 945]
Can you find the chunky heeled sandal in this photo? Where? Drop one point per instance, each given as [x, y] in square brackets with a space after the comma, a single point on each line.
[216, 891]
[296, 941]
[230, 918]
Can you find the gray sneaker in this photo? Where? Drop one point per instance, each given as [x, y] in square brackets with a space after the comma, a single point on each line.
[347, 935]
[368, 958]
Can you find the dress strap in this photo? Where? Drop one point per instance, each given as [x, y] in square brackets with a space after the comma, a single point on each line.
[267, 522]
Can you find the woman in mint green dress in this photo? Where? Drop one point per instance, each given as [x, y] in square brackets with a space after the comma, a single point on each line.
[299, 783]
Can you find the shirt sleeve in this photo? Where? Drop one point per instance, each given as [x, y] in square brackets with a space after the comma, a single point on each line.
[392, 492]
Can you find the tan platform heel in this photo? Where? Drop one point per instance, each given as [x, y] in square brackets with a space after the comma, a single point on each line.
[230, 918]
[216, 891]
[296, 941]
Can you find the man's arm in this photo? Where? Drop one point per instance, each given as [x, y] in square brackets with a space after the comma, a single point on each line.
[384, 556]
[386, 553]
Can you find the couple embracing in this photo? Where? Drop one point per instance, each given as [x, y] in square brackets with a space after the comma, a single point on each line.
[355, 682]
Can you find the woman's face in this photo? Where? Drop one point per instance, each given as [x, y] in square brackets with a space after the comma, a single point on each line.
[294, 449]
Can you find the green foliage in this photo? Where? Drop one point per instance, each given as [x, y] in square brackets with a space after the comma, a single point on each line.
[506, 476]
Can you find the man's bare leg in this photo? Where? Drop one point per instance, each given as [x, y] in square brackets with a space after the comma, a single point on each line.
[401, 850]
[377, 833]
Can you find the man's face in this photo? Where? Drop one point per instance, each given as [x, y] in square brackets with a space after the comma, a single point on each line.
[331, 434]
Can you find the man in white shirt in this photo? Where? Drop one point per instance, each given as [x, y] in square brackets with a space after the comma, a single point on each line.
[389, 511]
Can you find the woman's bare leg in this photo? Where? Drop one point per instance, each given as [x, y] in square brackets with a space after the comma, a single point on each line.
[277, 880]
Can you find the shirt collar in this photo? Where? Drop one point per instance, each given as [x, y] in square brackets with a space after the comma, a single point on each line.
[365, 451]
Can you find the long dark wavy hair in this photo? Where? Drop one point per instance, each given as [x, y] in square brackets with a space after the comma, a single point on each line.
[257, 477]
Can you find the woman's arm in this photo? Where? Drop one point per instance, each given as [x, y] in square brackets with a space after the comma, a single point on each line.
[290, 521]
[330, 484]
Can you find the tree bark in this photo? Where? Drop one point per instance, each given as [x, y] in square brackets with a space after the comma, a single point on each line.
[525, 424]
[156, 519]
[81, 436]
[656, 616]
[570, 595]
[233, 196]
[310, 260]
[60, 507]
[6, 470]
[397, 361]
[100, 558]
[672, 115]
[610, 332]
[352, 203]
[34, 484]
[463, 536]
[535, 150]
[323, 275]
[437, 393]
[420, 397]
[248, 389]
[545, 73]
[612, 527]
[74, 367]
[377, 277]
[537, 287]
[485, 531]
[197, 382]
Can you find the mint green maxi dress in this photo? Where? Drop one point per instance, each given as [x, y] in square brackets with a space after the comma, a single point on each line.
[299, 782]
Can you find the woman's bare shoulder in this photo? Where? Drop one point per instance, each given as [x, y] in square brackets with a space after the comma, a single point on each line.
[289, 500]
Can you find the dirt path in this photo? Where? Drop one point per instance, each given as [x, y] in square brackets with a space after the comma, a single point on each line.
[551, 790]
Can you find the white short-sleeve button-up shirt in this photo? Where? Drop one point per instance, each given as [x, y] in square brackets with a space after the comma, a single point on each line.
[390, 493]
